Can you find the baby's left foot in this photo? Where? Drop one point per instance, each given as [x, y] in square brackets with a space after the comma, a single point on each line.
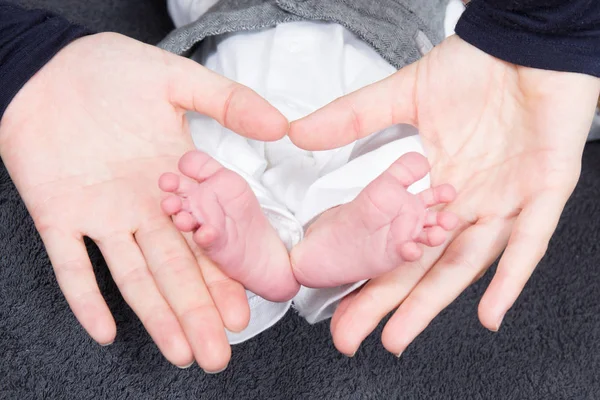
[229, 226]
[377, 231]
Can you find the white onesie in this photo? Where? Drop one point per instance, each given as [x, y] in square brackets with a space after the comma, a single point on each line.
[298, 67]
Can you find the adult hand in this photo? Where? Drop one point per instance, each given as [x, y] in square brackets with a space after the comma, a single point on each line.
[510, 140]
[85, 142]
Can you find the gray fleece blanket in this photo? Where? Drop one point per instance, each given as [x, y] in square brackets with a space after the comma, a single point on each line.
[547, 348]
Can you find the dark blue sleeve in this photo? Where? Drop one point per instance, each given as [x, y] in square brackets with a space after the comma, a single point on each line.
[560, 35]
[28, 40]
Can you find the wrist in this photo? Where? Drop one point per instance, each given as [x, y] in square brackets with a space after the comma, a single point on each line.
[30, 39]
[30, 96]
[24, 103]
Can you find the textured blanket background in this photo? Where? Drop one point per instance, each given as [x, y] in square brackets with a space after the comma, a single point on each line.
[547, 348]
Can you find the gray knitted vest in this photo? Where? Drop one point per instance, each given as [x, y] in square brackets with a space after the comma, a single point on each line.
[401, 31]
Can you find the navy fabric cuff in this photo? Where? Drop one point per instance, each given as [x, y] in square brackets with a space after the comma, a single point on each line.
[28, 40]
[520, 40]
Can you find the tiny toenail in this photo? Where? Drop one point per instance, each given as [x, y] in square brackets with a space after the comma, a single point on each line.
[185, 366]
[215, 372]
[106, 344]
[399, 354]
[350, 355]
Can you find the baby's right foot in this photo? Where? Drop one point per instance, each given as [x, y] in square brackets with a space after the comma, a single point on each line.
[229, 226]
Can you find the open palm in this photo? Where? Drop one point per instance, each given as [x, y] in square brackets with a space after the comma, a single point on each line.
[85, 142]
[510, 140]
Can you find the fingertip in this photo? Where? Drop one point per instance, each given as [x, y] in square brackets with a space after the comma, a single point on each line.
[298, 264]
[341, 310]
[177, 350]
[232, 303]
[279, 128]
[295, 133]
[391, 341]
[217, 361]
[94, 316]
[236, 321]
[489, 318]
[100, 325]
[356, 317]
[252, 116]
[106, 333]
[345, 343]
[493, 306]
[342, 333]
[301, 134]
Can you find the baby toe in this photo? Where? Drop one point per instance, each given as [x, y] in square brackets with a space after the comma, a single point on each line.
[185, 222]
[171, 205]
[206, 236]
[168, 182]
[409, 251]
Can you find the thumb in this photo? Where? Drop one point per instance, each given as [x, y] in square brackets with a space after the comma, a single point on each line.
[196, 88]
[358, 114]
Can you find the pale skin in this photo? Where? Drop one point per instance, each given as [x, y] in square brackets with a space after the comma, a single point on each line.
[75, 150]
[361, 239]
[85, 142]
[508, 138]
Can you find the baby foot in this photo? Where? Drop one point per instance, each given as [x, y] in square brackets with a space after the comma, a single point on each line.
[229, 226]
[377, 231]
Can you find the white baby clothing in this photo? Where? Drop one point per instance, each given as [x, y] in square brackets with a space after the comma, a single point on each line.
[298, 67]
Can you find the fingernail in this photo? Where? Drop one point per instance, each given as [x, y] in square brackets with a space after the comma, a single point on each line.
[215, 372]
[185, 366]
[498, 324]
[399, 354]
[350, 355]
[107, 344]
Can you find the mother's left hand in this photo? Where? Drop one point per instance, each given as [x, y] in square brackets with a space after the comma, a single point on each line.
[508, 138]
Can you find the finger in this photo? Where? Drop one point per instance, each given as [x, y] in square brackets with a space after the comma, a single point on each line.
[470, 253]
[178, 278]
[359, 114]
[342, 307]
[441, 194]
[76, 279]
[357, 317]
[228, 295]
[341, 310]
[194, 87]
[528, 244]
[380, 296]
[130, 272]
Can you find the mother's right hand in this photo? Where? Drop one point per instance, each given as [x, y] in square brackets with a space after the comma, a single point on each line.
[85, 141]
